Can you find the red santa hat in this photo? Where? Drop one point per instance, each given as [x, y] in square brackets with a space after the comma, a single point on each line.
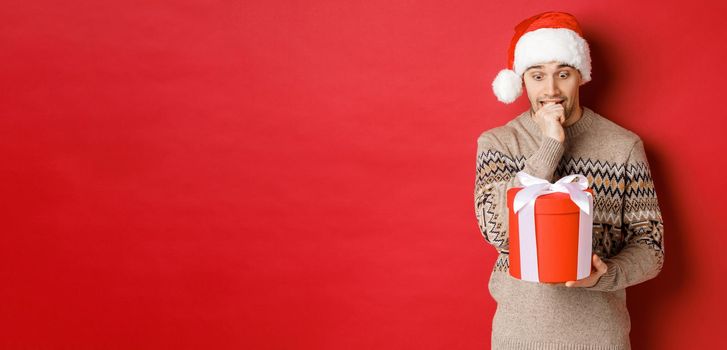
[549, 36]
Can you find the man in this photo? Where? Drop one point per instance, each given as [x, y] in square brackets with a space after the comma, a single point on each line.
[555, 138]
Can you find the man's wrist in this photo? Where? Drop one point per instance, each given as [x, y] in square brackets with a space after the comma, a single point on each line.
[543, 162]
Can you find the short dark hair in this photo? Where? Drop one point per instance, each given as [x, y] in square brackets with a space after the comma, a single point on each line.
[562, 65]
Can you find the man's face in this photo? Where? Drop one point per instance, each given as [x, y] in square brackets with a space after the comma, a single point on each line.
[553, 81]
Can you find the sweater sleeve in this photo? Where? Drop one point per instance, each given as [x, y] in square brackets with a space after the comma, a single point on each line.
[495, 174]
[642, 257]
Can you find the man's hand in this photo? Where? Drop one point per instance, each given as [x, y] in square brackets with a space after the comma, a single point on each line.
[598, 269]
[550, 118]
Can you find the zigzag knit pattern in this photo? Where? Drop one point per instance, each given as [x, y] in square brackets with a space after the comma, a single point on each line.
[615, 186]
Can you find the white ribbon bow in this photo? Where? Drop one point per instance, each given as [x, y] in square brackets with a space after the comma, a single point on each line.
[524, 204]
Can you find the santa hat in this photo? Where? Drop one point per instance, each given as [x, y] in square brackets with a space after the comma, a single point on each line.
[549, 36]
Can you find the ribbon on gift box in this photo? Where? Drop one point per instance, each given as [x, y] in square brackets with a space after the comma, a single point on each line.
[524, 206]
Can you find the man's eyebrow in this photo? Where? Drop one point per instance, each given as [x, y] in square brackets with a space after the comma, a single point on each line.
[559, 66]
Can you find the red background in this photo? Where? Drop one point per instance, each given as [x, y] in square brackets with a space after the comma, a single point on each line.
[290, 175]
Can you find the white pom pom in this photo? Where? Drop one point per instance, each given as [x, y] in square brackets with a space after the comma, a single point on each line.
[507, 86]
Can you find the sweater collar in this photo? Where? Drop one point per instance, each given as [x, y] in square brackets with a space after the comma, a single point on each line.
[583, 124]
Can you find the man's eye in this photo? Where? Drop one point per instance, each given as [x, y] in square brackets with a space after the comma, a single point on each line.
[563, 75]
[536, 77]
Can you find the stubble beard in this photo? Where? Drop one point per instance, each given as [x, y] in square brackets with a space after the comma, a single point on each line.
[567, 111]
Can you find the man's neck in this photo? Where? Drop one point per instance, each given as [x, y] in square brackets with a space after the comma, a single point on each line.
[577, 114]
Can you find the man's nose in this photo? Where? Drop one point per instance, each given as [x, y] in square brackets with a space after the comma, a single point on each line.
[552, 87]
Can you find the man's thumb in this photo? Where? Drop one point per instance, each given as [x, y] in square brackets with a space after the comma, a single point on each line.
[599, 264]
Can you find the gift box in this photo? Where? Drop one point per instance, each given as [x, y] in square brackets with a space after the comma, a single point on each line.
[550, 229]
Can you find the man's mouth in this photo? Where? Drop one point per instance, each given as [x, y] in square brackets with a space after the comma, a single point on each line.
[560, 102]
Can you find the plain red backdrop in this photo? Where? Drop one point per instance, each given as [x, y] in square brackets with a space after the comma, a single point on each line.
[299, 175]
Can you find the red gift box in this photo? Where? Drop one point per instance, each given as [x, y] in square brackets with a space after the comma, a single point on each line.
[557, 230]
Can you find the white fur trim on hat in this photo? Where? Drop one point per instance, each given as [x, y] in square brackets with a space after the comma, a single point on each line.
[507, 86]
[553, 44]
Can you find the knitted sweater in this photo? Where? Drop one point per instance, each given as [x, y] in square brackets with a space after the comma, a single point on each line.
[627, 231]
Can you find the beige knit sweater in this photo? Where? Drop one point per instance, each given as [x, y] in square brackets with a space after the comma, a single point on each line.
[627, 231]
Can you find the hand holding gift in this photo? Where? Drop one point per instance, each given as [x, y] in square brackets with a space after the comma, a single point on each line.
[598, 270]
